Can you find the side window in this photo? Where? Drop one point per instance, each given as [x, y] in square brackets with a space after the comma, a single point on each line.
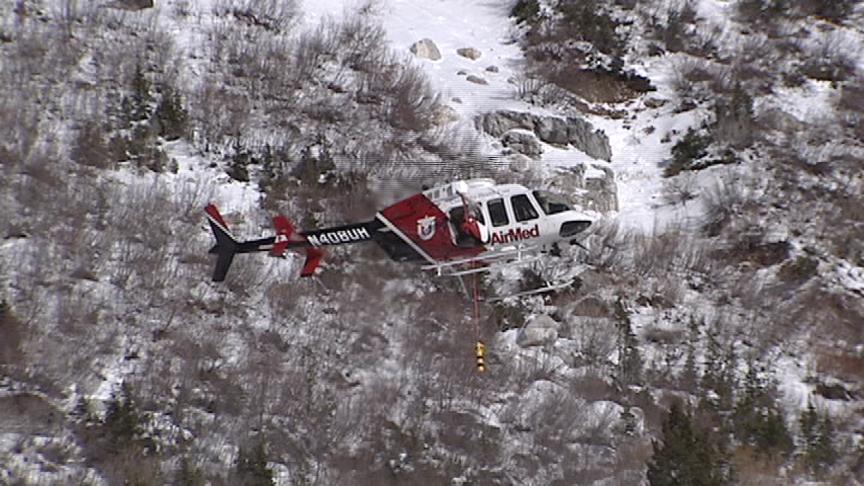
[522, 208]
[497, 213]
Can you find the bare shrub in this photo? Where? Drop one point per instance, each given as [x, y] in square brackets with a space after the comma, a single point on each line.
[89, 147]
[312, 49]
[673, 250]
[829, 61]
[680, 188]
[595, 344]
[723, 200]
[276, 16]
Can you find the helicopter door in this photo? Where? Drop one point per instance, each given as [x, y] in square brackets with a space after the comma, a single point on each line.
[527, 220]
[460, 237]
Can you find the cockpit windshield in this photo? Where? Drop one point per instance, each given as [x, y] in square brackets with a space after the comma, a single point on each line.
[550, 202]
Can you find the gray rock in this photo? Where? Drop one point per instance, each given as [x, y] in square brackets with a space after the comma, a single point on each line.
[520, 163]
[131, 5]
[539, 331]
[553, 130]
[496, 123]
[523, 142]
[469, 52]
[426, 49]
[492, 69]
[583, 136]
[574, 131]
[476, 79]
[445, 114]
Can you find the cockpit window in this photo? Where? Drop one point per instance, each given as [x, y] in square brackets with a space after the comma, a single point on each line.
[497, 213]
[550, 202]
[522, 208]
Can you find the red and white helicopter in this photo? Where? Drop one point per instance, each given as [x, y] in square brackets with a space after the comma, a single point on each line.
[455, 229]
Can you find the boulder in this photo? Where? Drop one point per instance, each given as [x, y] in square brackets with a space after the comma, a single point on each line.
[550, 129]
[520, 163]
[131, 5]
[426, 49]
[602, 192]
[583, 136]
[492, 69]
[476, 79]
[553, 130]
[523, 142]
[539, 331]
[445, 114]
[469, 52]
[496, 123]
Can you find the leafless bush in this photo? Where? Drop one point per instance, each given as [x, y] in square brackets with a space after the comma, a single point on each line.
[361, 43]
[829, 61]
[662, 255]
[313, 49]
[606, 244]
[722, 201]
[595, 343]
[530, 87]
[680, 188]
[276, 16]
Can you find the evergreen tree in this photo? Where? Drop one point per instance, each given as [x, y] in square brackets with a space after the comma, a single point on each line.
[122, 422]
[689, 377]
[818, 440]
[735, 118]
[719, 376]
[136, 106]
[686, 456]
[757, 419]
[171, 115]
[251, 466]
[238, 166]
[629, 369]
[189, 474]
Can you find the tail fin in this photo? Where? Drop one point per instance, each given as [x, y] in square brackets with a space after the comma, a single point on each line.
[226, 245]
[285, 233]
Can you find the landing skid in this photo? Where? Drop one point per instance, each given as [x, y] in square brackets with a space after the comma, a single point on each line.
[521, 255]
[542, 290]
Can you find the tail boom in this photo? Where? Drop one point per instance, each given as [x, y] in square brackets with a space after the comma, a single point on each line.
[286, 238]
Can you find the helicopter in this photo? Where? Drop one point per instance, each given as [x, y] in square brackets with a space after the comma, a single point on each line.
[454, 229]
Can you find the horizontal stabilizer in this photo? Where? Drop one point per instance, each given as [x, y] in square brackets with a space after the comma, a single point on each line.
[226, 245]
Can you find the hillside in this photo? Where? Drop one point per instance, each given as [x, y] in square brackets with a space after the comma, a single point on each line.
[714, 333]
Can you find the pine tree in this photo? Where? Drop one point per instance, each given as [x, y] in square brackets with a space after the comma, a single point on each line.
[757, 420]
[629, 369]
[818, 440]
[137, 105]
[686, 455]
[122, 422]
[251, 466]
[189, 474]
[171, 115]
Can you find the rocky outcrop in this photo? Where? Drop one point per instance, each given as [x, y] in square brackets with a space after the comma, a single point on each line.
[426, 49]
[589, 186]
[469, 52]
[519, 163]
[538, 331]
[445, 114]
[523, 142]
[131, 5]
[550, 129]
[476, 79]
[601, 191]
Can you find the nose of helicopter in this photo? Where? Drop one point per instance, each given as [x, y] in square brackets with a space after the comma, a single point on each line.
[573, 227]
